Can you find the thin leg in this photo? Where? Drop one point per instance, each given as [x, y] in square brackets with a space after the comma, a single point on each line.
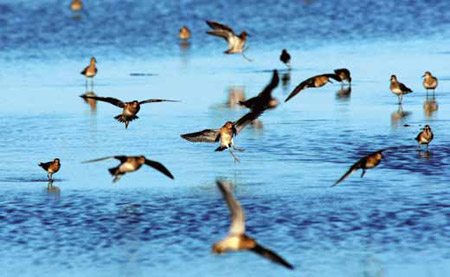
[238, 149]
[363, 172]
[427, 147]
[236, 159]
[87, 85]
[245, 57]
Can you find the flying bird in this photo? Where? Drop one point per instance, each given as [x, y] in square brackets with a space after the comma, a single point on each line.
[90, 71]
[51, 168]
[285, 58]
[130, 164]
[398, 88]
[264, 99]
[425, 136]
[344, 75]
[429, 81]
[367, 162]
[313, 82]
[130, 109]
[236, 43]
[237, 240]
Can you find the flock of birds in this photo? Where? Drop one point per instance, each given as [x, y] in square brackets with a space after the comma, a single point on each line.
[237, 239]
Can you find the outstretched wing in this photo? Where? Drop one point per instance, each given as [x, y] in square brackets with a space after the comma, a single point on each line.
[271, 86]
[219, 26]
[270, 255]
[220, 30]
[207, 135]
[242, 122]
[307, 83]
[156, 100]
[120, 158]
[114, 101]
[352, 169]
[237, 226]
[158, 166]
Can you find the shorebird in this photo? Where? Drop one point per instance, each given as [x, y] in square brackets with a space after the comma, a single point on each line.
[425, 136]
[225, 134]
[76, 5]
[236, 43]
[237, 240]
[367, 162]
[130, 164]
[264, 99]
[285, 58]
[429, 81]
[130, 109]
[185, 33]
[344, 75]
[398, 88]
[314, 82]
[51, 168]
[90, 71]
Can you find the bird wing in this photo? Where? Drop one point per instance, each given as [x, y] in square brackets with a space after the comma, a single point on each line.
[114, 101]
[156, 100]
[207, 135]
[404, 88]
[219, 26]
[240, 124]
[45, 165]
[158, 166]
[237, 226]
[271, 86]
[270, 255]
[332, 76]
[300, 87]
[222, 33]
[352, 169]
[120, 158]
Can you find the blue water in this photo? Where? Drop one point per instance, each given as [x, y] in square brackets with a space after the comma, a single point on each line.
[393, 222]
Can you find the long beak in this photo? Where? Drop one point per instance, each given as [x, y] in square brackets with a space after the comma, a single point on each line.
[423, 76]
[330, 81]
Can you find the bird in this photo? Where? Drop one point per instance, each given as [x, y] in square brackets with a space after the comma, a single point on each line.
[225, 134]
[90, 71]
[344, 75]
[398, 88]
[51, 168]
[366, 162]
[76, 5]
[185, 33]
[429, 81]
[285, 58]
[236, 43]
[313, 82]
[425, 136]
[264, 99]
[130, 109]
[237, 240]
[130, 164]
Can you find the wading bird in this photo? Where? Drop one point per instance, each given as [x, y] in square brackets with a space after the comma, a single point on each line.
[90, 71]
[398, 88]
[76, 5]
[313, 82]
[425, 136]
[185, 33]
[236, 43]
[429, 81]
[51, 168]
[285, 58]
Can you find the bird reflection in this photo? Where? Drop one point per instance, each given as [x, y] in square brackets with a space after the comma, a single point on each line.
[398, 116]
[76, 6]
[52, 189]
[286, 80]
[430, 106]
[344, 93]
[92, 102]
[235, 95]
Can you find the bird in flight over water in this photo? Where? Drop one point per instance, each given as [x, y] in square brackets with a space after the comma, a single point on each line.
[313, 82]
[236, 43]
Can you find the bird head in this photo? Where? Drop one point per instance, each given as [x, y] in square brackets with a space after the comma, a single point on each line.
[244, 34]
[135, 103]
[56, 160]
[427, 74]
[93, 60]
[229, 125]
[393, 77]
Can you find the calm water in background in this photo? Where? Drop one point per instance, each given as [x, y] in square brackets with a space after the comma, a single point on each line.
[394, 222]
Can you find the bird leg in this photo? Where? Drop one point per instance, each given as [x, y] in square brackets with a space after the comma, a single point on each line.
[238, 149]
[363, 172]
[236, 159]
[400, 98]
[245, 57]
[126, 124]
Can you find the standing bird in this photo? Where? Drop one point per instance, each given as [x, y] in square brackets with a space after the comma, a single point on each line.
[285, 58]
[429, 81]
[225, 134]
[90, 71]
[236, 43]
[237, 240]
[367, 162]
[185, 33]
[398, 88]
[76, 5]
[425, 136]
[264, 99]
[130, 109]
[51, 168]
[313, 82]
[130, 164]
[344, 75]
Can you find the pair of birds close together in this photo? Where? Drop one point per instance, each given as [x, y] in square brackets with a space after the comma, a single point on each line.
[399, 89]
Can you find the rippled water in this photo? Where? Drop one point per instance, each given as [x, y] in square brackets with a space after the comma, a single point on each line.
[393, 222]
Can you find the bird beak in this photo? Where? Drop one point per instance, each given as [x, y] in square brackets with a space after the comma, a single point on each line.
[330, 81]
[423, 75]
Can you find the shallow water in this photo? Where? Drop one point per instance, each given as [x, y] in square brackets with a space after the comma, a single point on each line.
[393, 222]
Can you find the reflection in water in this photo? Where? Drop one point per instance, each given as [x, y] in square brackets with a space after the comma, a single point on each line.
[426, 155]
[235, 95]
[184, 47]
[372, 267]
[344, 93]
[76, 6]
[430, 106]
[92, 102]
[52, 189]
[257, 124]
[398, 116]
[286, 80]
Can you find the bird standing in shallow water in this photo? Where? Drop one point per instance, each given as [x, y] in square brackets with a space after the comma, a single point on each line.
[429, 81]
[51, 168]
[236, 43]
[185, 33]
[425, 136]
[76, 5]
[398, 88]
[90, 71]
[344, 75]
[237, 240]
[130, 109]
[130, 164]
[313, 82]
[285, 58]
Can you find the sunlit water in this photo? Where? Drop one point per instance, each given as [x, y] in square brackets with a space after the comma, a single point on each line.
[393, 222]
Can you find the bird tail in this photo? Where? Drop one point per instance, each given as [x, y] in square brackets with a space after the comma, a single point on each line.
[113, 170]
[220, 148]
[122, 118]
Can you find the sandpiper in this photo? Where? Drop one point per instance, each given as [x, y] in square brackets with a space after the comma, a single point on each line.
[313, 82]
[185, 33]
[236, 239]
[51, 167]
[76, 5]
[225, 134]
[285, 58]
[344, 75]
[425, 136]
[130, 164]
[130, 109]
[367, 162]
[264, 99]
[398, 88]
[90, 71]
[429, 81]
[236, 43]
